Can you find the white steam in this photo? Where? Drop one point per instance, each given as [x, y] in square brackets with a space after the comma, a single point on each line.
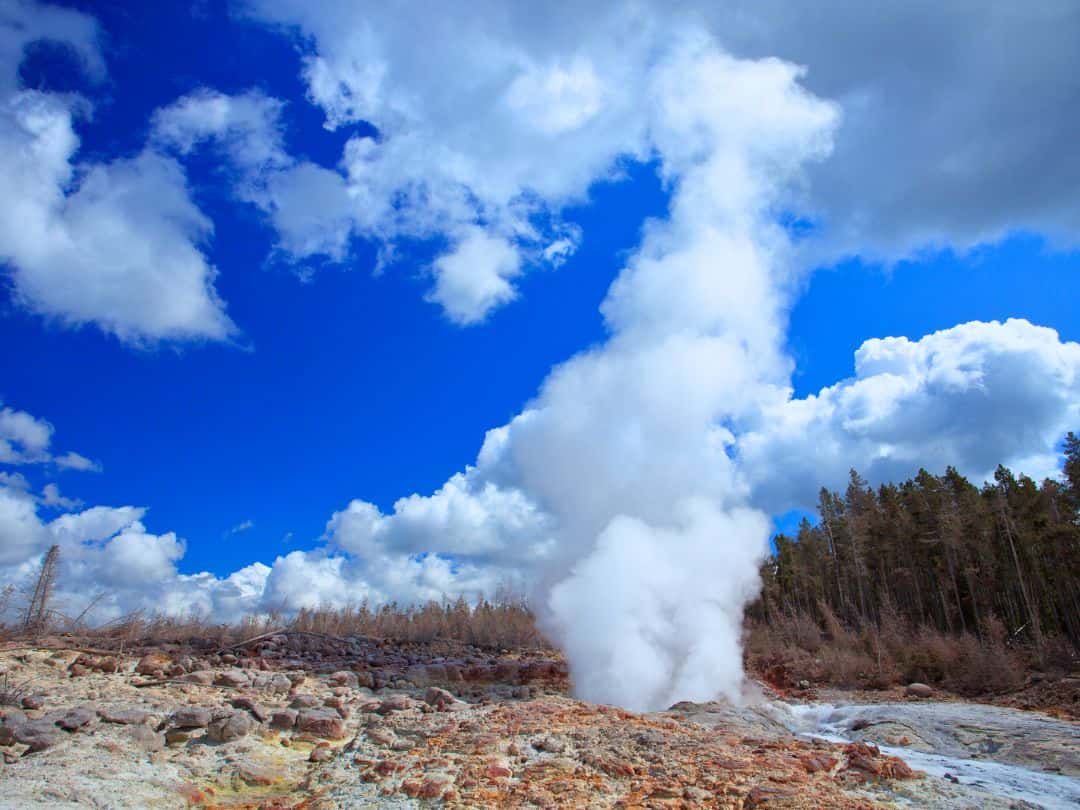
[626, 445]
[615, 490]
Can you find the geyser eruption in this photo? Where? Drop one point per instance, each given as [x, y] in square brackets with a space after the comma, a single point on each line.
[627, 445]
[615, 492]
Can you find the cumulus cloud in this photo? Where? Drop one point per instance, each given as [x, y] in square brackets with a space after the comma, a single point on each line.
[114, 244]
[973, 396]
[110, 559]
[247, 127]
[52, 497]
[476, 276]
[23, 439]
[26, 439]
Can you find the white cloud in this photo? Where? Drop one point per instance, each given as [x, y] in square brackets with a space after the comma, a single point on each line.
[476, 276]
[51, 496]
[112, 244]
[22, 535]
[73, 461]
[247, 126]
[242, 526]
[25, 439]
[973, 396]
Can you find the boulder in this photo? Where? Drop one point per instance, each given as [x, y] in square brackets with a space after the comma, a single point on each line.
[283, 719]
[231, 727]
[249, 705]
[322, 723]
[304, 701]
[153, 663]
[918, 690]
[394, 703]
[344, 678]
[123, 715]
[191, 717]
[38, 734]
[442, 700]
[232, 677]
[74, 719]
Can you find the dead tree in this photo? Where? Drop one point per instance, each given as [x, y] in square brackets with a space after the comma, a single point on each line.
[37, 612]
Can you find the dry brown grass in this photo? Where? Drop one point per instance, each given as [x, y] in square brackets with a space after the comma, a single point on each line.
[506, 623]
[796, 648]
[503, 624]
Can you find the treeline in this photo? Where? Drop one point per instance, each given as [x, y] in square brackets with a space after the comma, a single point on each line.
[938, 552]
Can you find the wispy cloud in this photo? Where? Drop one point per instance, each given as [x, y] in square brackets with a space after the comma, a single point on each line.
[243, 526]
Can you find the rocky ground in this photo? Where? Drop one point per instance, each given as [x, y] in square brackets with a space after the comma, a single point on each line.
[299, 720]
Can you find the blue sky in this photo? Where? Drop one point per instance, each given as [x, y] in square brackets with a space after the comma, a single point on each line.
[339, 389]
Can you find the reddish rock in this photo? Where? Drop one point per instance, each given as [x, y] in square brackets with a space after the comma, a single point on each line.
[918, 690]
[191, 717]
[321, 723]
[394, 703]
[283, 719]
[154, 663]
[232, 677]
[249, 705]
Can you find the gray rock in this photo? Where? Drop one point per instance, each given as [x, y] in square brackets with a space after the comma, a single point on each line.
[232, 727]
[74, 719]
[232, 677]
[191, 717]
[38, 734]
[550, 745]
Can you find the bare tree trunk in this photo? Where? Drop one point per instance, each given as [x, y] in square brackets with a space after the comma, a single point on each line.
[37, 612]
